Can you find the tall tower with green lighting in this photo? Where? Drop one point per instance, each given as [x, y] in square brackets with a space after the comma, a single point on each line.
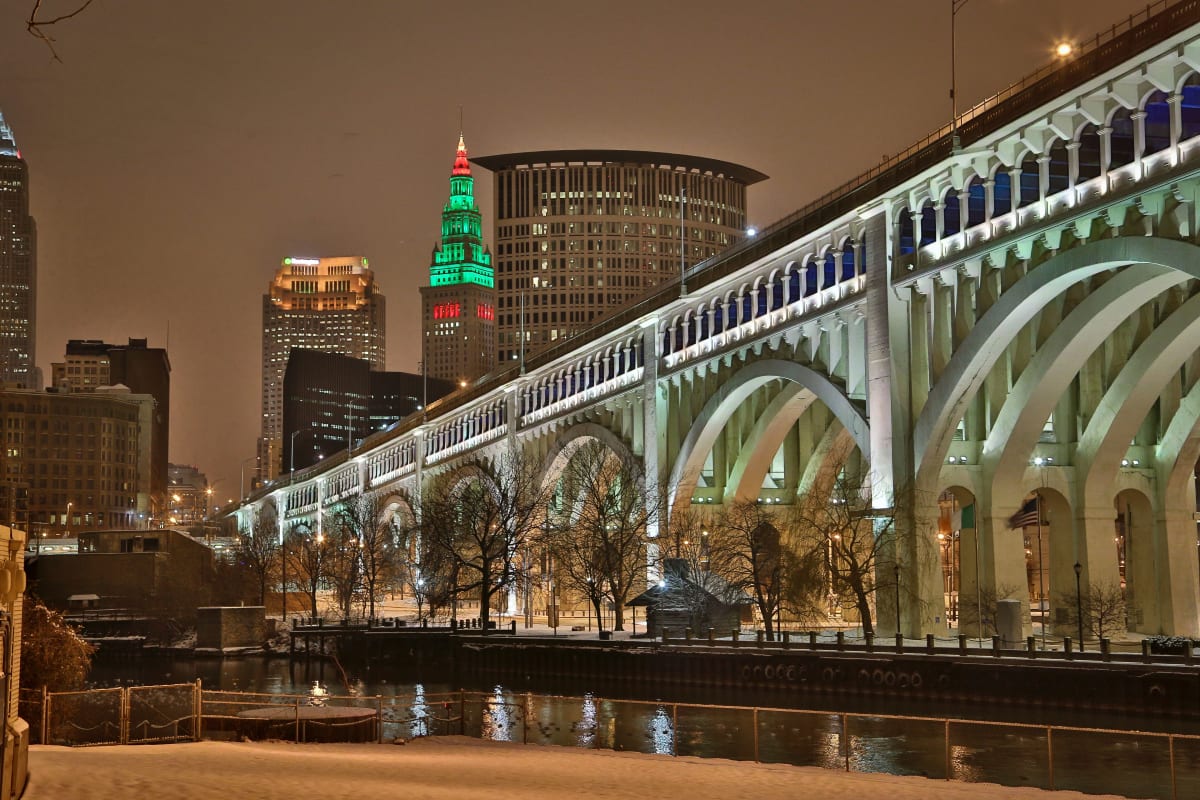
[459, 304]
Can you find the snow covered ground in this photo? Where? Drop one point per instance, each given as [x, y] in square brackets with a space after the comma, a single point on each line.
[453, 767]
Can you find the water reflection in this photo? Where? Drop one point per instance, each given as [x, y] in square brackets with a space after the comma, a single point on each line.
[662, 732]
[1009, 754]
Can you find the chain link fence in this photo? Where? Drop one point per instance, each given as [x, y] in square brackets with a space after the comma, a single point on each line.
[1143, 764]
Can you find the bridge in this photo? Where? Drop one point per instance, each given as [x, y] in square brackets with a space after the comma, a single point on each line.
[1009, 306]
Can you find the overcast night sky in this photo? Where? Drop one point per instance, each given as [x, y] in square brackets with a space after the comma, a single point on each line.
[182, 148]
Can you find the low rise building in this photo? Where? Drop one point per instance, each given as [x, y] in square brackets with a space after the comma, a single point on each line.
[150, 572]
[75, 461]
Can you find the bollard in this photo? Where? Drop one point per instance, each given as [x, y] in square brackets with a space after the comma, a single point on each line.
[759, 638]
[870, 639]
[812, 639]
[712, 639]
[514, 626]
[1104, 651]
[735, 634]
[962, 644]
[841, 640]
[996, 646]
[787, 640]
[1146, 650]
[929, 643]
[1067, 646]
[1031, 646]
[688, 634]
[899, 642]
[666, 635]
[1187, 652]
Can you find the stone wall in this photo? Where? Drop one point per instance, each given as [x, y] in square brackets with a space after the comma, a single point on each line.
[228, 627]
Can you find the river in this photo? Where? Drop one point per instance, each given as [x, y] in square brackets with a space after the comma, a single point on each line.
[997, 750]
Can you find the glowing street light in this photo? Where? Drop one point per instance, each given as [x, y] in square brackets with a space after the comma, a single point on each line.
[1064, 49]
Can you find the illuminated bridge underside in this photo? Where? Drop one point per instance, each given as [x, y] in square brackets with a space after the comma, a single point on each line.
[1017, 315]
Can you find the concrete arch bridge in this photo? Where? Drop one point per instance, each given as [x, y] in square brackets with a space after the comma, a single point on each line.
[1007, 310]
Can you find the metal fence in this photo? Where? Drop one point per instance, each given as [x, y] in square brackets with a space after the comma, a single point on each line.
[1135, 763]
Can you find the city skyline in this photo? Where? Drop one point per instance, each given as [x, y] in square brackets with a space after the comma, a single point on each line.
[159, 203]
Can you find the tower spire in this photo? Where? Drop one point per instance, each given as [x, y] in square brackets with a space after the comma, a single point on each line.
[461, 165]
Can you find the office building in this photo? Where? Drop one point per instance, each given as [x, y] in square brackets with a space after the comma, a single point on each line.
[579, 233]
[81, 460]
[18, 269]
[187, 497]
[89, 364]
[458, 307]
[332, 305]
[333, 401]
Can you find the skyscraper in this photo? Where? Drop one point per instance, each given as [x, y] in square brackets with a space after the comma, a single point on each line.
[90, 364]
[459, 304]
[18, 268]
[582, 232]
[332, 305]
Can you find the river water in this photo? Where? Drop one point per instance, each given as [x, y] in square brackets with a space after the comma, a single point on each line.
[863, 740]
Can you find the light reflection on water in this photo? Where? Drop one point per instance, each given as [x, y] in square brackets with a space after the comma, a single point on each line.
[1128, 764]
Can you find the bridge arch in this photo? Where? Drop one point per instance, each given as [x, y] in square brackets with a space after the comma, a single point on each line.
[1014, 308]
[731, 393]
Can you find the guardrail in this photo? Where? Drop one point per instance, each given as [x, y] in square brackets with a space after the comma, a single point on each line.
[1143, 764]
[962, 645]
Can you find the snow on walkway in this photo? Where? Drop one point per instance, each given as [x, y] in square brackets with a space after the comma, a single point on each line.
[453, 767]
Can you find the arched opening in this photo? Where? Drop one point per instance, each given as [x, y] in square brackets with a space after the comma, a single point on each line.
[976, 202]
[1089, 153]
[928, 224]
[1030, 181]
[1133, 539]
[1001, 192]
[829, 271]
[1189, 109]
[848, 270]
[1157, 123]
[1121, 140]
[1058, 169]
[951, 214]
[905, 235]
[959, 557]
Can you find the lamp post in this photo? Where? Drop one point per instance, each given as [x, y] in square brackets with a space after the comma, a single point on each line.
[897, 568]
[282, 572]
[292, 456]
[955, 7]
[1079, 603]
[682, 241]
[67, 520]
[242, 477]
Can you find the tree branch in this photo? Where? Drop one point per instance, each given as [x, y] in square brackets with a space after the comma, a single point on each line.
[35, 25]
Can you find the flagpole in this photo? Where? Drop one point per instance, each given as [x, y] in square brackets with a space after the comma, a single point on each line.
[1042, 608]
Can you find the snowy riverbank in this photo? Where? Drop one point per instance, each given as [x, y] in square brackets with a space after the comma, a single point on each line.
[454, 768]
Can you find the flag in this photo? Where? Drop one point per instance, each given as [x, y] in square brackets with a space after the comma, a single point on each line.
[963, 518]
[1028, 515]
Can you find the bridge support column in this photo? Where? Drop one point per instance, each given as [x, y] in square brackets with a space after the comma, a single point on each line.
[648, 422]
[1177, 575]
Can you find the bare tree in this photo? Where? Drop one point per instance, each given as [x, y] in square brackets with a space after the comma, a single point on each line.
[368, 548]
[480, 521]
[977, 610]
[1103, 607]
[258, 549]
[307, 552]
[855, 541]
[755, 548]
[598, 538]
